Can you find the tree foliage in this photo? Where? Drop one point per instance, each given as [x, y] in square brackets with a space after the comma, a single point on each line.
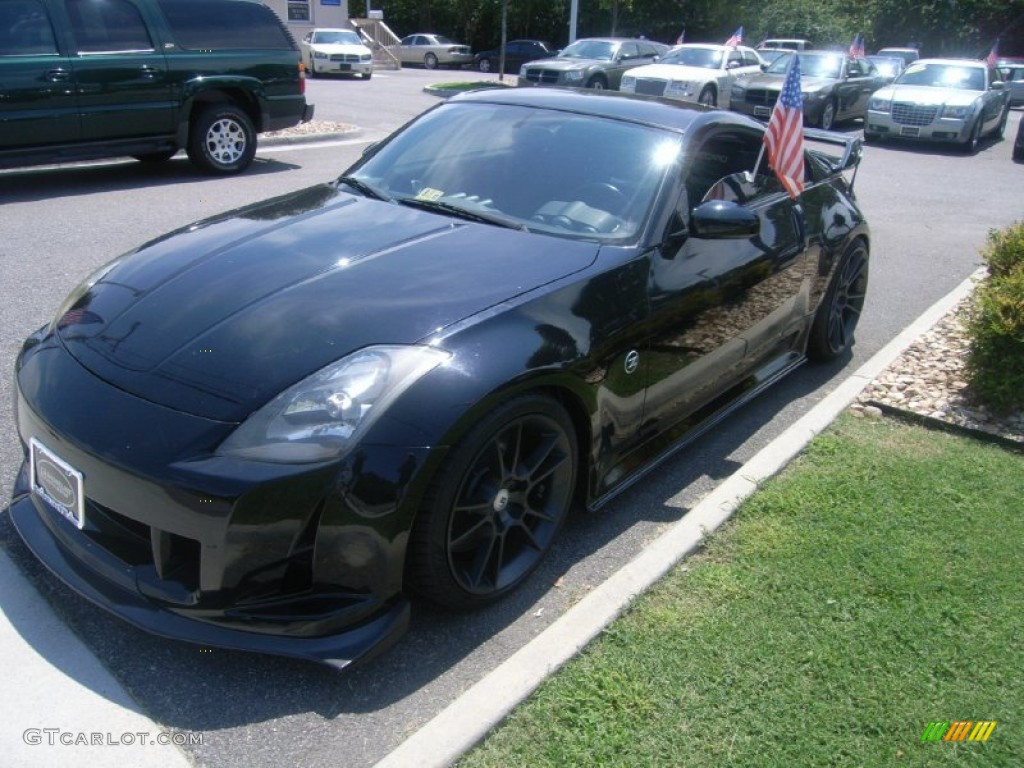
[940, 27]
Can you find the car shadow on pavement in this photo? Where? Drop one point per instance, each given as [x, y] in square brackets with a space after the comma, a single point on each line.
[26, 185]
[188, 688]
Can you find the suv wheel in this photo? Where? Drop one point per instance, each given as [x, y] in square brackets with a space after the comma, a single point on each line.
[222, 139]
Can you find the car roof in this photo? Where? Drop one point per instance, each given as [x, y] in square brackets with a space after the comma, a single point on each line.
[712, 46]
[953, 62]
[663, 113]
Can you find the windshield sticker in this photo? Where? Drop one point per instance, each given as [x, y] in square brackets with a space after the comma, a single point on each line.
[428, 193]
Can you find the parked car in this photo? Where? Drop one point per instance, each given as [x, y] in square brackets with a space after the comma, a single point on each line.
[888, 67]
[1012, 74]
[593, 62]
[433, 51]
[336, 51]
[249, 434]
[945, 100]
[835, 87]
[517, 53]
[698, 72]
[1018, 144]
[785, 43]
[909, 55]
[80, 81]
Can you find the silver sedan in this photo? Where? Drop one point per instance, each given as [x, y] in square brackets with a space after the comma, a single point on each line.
[433, 51]
[940, 100]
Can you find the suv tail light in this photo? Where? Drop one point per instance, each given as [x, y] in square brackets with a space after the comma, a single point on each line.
[302, 78]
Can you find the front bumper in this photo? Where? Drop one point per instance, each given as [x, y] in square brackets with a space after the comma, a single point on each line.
[290, 560]
[917, 123]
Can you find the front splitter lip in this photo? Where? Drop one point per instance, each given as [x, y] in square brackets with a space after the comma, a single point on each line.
[339, 651]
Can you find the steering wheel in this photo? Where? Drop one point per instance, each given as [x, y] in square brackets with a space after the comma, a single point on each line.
[601, 194]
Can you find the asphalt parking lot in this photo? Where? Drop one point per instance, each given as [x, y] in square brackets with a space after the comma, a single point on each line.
[929, 209]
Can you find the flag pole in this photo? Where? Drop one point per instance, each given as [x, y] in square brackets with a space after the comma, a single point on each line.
[757, 163]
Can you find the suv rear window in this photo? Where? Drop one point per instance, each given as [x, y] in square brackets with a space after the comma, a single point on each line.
[25, 29]
[217, 26]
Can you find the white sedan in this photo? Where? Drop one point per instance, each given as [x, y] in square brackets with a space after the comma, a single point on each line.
[700, 72]
[947, 100]
[336, 51]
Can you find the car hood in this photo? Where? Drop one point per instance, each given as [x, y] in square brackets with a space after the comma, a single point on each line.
[673, 72]
[564, 65]
[927, 95]
[218, 318]
[774, 82]
[331, 48]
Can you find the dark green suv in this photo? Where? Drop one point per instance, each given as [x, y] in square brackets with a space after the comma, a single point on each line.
[84, 79]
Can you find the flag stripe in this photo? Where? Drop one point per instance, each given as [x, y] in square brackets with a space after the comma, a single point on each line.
[784, 137]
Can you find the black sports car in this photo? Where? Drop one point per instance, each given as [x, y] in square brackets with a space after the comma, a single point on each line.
[262, 430]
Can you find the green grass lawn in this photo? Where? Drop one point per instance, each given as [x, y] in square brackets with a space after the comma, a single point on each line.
[875, 586]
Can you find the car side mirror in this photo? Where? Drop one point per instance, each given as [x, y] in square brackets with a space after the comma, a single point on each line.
[723, 220]
[997, 85]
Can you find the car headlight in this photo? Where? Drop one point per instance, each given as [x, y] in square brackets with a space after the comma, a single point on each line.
[679, 88]
[320, 55]
[628, 84]
[813, 95]
[959, 112]
[878, 104]
[365, 56]
[574, 75]
[323, 415]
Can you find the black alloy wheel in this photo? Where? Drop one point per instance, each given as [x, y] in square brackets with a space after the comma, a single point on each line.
[496, 506]
[835, 321]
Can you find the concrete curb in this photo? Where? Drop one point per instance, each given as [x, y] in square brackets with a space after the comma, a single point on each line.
[467, 720]
[309, 138]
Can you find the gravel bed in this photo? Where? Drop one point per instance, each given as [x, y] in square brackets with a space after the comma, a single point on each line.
[928, 380]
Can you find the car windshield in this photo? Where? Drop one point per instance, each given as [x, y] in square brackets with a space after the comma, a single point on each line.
[944, 76]
[887, 66]
[589, 49]
[707, 58]
[811, 65]
[336, 37]
[548, 171]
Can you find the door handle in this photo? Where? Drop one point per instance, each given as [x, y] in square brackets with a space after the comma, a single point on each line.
[57, 75]
[147, 71]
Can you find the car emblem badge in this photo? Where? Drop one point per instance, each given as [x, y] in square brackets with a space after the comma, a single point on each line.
[501, 500]
[632, 361]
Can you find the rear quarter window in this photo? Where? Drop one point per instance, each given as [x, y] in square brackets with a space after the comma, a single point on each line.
[209, 25]
[25, 29]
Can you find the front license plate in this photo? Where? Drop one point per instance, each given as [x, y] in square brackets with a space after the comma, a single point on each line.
[56, 482]
[762, 111]
[909, 130]
[344, 67]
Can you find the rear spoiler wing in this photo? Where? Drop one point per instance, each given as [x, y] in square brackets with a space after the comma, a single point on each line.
[853, 147]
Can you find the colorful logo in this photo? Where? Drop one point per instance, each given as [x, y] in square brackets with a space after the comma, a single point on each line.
[961, 730]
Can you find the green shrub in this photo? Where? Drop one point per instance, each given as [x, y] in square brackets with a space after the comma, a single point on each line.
[995, 324]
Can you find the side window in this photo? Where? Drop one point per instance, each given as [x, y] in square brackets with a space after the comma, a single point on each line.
[25, 29]
[723, 169]
[108, 26]
[628, 51]
[735, 59]
[209, 25]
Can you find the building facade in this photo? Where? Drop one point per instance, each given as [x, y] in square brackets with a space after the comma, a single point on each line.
[303, 15]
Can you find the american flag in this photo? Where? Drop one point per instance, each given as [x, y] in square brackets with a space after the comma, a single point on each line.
[784, 137]
[736, 39]
[993, 56]
[857, 47]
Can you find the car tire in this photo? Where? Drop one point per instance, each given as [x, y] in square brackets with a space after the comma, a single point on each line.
[707, 97]
[156, 157]
[832, 331]
[597, 83]
[970, 147]
[311, 69]
[1000, 130]
[367, 75]
[484, 65]
[872, 138]
[496, 505]
[222, 139]
[430, 61]
[828, 116]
